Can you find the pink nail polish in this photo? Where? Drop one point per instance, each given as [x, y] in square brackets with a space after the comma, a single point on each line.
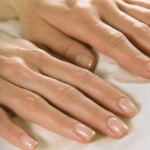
[84, 132]
[84, 61]
[117, 126]
[28, 142]
[128, 107]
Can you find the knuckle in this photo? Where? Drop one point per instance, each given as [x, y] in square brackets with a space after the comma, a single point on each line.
[69, 48]
[116, 39]
[141, 27]
[31, 102]
[81, 76]
[79, 10]
[13, 66]
[100, 112]
[94, 114]
[37, 57]
[66, 92]
[16, 66]
[33, 53]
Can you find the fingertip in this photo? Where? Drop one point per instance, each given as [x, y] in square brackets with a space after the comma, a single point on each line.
[84, 61]
[84, 133]
[28, 142]
[127, 107]
[118, 127]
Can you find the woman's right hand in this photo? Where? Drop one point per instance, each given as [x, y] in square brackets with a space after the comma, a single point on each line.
[116, 28]
[49, 92]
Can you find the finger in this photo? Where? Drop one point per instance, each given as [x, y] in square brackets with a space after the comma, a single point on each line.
[69, 100]
[116, 45]
[35, 109]
[138, 12]
[15, 134]
[137, 32]
[67, 47]
[78, 78]
[103, 38]
[143, 3]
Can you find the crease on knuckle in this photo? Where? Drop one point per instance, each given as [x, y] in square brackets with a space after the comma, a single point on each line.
[141, 27]
[81, 7]
[81, 76]
[100, 113]
[31, 102]
[116, 39]
[34, 53]
[94, 114]
[79, 11]
[68, 48]
[13, 66]
[17, 68]
[66, 93]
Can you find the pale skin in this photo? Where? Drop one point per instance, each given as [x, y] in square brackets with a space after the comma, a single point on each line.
[55, 94]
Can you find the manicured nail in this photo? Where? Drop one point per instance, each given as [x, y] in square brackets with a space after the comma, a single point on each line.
[84, 61]
[28, 142]
[84, 132]
[148, 66]
[117, 126]
[128, 107]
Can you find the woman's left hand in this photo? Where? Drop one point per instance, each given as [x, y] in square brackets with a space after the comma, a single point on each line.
[54, 94]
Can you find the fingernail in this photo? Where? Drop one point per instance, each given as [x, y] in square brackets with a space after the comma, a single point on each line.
[148, 66]
[84, 61]
[128, 107]
[28, 142]
[117, 126]
[84, 132]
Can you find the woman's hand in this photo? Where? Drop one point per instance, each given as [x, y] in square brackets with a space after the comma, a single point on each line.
[49, 92]
[64, 25]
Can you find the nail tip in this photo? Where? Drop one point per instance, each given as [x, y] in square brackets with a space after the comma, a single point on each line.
[28, 142]
[117, 126]
[85, 132]
[84, 61]
[133, 114]
[128, 107]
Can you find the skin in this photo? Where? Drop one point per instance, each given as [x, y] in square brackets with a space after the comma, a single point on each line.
[123, 33]
[55, 91]
[47, 92]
